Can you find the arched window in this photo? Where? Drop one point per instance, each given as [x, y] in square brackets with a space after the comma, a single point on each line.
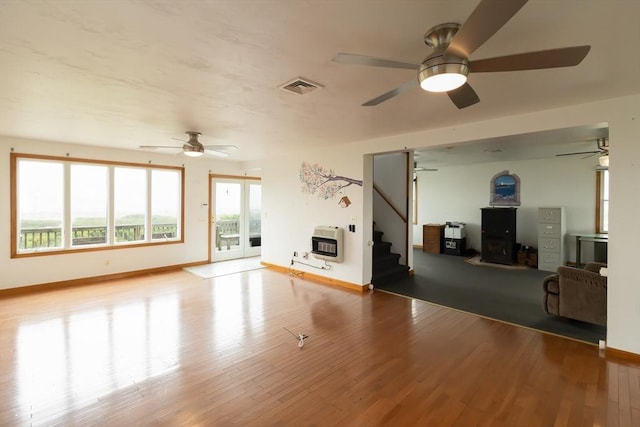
[505, 189]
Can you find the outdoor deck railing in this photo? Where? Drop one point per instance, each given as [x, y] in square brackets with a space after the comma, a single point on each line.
[51, 237]
[228, 226]
[228, 233]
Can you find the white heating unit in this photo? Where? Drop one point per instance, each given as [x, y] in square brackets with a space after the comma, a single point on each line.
[327, 243]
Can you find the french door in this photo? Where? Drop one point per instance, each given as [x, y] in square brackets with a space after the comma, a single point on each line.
[235, 217]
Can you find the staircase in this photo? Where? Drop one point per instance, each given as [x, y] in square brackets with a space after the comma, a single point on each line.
[386, 264]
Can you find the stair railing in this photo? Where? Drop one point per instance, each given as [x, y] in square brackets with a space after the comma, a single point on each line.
[390, 203]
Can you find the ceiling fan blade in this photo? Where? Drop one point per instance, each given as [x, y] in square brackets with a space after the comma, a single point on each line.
[351, 58]
[552, 58]
[576, 153]
[217, 153]
[486, 19]
[464, 96]
[159, 146]
[221, 147]
[394, 92]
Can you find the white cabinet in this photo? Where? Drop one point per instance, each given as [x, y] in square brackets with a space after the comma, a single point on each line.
[551, 225]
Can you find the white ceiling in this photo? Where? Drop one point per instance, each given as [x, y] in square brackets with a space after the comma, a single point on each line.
[128, 73]
[582, 141]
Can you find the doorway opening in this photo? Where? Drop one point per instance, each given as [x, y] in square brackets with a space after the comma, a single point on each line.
[235, 217]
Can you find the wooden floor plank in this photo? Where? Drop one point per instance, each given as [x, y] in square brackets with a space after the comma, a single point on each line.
[175, 349]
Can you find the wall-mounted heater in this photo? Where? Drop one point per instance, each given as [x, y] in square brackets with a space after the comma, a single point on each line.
[327, 243]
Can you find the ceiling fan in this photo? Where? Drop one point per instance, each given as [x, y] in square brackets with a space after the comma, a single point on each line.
[417, 168]
[194, 148]
[447, 68]
[603, 150]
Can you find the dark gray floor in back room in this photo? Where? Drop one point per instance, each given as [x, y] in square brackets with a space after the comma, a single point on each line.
[513, 296]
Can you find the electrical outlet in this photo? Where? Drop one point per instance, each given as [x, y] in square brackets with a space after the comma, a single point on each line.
[295, 254]
[305, 255]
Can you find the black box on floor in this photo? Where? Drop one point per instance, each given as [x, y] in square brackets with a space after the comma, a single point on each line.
[455, 246]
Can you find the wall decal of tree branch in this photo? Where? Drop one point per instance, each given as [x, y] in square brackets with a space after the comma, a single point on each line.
[324, 182]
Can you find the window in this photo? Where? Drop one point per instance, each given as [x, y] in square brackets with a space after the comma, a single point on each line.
[40, 204]
[602, 201]
[89, 196]
[64, 204]
[130, 204]
[165, 204]
[255, 219]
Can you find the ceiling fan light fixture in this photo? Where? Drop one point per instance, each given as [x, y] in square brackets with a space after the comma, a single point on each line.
[443, 82]
[193, 151]
[443, 77]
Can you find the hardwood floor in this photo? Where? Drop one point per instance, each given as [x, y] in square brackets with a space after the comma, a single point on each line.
[175, 349]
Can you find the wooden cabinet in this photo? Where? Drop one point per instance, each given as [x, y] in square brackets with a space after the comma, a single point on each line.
[550, 238]
[433, 238]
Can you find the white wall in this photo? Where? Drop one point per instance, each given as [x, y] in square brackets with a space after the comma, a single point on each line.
[457, 193]
[289, 216]
[623, 290]
[26, 271]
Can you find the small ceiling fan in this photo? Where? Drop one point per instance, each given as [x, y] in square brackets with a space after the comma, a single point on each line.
[417, 168]
[447, 68]
[194, 148]
[603, 150]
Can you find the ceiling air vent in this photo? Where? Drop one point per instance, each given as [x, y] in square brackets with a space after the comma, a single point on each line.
[300, 86]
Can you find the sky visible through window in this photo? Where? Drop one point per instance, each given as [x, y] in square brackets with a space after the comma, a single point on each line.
[89, 185]
[41, 191]
[130, 187]
[229, 195]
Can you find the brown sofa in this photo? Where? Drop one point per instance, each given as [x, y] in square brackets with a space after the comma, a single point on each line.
[576, 293]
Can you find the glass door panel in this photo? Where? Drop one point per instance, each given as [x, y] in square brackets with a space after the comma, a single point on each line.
[254, 213]
[227, 220]
[236, 218]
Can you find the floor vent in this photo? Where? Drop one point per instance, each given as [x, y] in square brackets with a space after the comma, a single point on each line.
[300, 86]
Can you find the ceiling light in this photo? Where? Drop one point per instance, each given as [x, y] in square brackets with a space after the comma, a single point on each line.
[442, 74]
[193, 151]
